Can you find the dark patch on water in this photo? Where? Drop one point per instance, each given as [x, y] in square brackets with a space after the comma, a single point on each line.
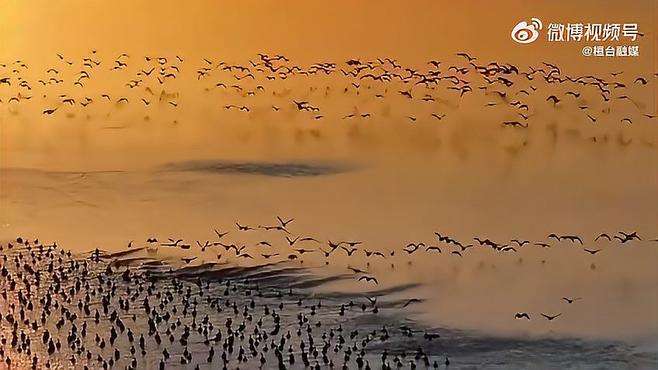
[290, 169]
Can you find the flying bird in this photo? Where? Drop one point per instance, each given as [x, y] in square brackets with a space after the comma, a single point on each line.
[551, 318]
[369, 279]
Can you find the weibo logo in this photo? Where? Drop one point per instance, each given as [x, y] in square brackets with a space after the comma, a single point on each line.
[525, 33]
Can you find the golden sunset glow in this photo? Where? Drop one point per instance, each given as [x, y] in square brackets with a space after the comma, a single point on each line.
[404, 176]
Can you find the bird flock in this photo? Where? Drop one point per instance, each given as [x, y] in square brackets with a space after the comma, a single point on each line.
[226, 303]
[151, 83]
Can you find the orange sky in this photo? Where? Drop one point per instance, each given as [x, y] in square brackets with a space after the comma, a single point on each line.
[309, 29]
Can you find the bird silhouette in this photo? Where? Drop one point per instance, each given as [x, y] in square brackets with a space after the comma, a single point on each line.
[551, 317]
